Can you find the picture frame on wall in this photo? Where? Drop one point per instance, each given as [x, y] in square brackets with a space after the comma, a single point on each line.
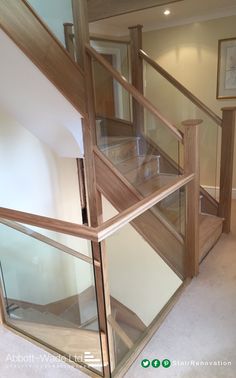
[226, 76]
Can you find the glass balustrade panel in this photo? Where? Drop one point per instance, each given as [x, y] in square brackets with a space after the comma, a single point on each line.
[49, 293]
[145, 266]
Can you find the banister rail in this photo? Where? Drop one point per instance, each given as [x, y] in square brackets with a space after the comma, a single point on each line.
[64, 227]
[126, 216]
[180, 87]
[104, 230]
[134, 92]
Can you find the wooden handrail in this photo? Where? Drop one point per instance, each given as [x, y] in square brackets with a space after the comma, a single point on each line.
[104, 230]
[134, 92]
[114, 224]
[180, 87]
[69, 228]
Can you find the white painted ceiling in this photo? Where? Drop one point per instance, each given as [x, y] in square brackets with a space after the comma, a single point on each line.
[35, 103]
[182, 12]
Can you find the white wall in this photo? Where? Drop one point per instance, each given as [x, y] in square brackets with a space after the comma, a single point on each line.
[190, 54]
[138, 277]
[34, 179]
[31, 99]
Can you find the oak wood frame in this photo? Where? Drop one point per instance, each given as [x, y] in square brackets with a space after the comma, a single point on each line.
[81, 28]
[226, 167]
[69, 36]
[137, 75]
[192, 165]
[218, 95]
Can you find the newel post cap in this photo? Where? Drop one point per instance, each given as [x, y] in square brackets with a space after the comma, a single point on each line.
[228, 108]
[192, 122]
[138, 26]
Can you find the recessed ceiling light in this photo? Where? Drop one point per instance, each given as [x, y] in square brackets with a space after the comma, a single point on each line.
[167, 12]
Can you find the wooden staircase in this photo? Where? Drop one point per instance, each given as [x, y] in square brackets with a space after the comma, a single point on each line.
[124, 177]
[210, 232]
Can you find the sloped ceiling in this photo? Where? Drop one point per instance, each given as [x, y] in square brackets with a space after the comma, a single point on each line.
[28, 96]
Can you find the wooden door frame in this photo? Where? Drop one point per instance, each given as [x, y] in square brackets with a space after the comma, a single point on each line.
[115, 52]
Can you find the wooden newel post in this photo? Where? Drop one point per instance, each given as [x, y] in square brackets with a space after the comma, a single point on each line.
[81, 27]
[137, 74]
[226, 167]
[69, 39]
[192, 165]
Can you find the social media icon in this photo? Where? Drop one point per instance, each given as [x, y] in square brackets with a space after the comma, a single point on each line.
[166, 363]
[156, 363]
[145, 363]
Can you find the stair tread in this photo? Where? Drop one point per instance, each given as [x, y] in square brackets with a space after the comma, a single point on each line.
[135, 162]
[73, 341]
[155, 183]
[32, 315]
[109, 142]
[210, 231]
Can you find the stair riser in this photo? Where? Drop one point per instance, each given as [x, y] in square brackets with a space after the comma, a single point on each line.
[117, 154]
[211, 241]
[143, 173]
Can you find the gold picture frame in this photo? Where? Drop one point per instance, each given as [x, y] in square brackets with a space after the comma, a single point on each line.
[226, 72]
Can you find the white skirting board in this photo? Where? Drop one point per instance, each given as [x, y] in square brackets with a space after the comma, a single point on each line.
[212, 190]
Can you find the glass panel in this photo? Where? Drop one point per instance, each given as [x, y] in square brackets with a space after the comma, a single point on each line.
[172, 209]
[116, 52]
[159, 91]
[145, 152]
[112, 101]
[50, 295]
[143, 274]
[80, 245]
[54, 13]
